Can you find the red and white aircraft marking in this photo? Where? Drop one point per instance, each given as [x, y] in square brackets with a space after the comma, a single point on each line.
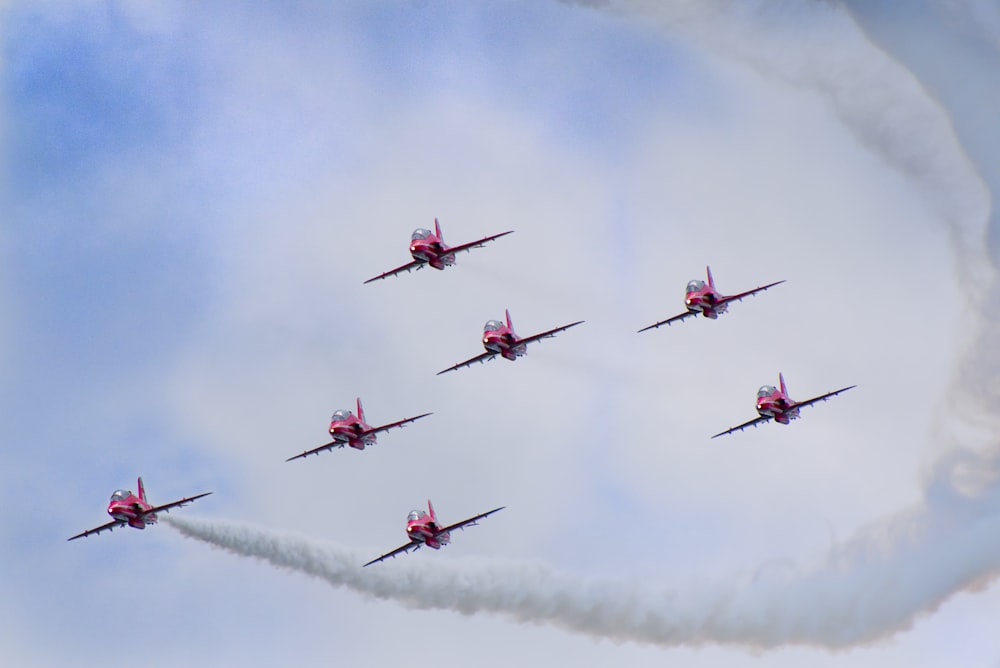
[429, 248]
[423, 529]
[703, 298]
[775, 404]
[346, 428]
[500, 339]
[127, 508]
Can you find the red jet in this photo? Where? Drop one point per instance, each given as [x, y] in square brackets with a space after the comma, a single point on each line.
[774, 403]
[422, 529]
[346, 428]
[703, 298]
[429, 248]
[500, 339]
[127, 508]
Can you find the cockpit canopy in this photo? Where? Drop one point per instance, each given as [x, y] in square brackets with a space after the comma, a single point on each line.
[419, 233]
[415, 515]
[695, 285]
[341, 415]
[121, 495]
[765, 391]
[492, 326]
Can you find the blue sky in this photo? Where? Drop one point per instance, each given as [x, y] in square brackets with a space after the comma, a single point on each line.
[195, 195]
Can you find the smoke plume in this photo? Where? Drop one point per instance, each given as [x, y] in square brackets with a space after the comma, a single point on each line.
[885, 576]
[875, 584]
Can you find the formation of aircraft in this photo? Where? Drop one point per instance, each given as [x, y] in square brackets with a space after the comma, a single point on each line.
[500, 339]
[128, 509]
[346, 428]
[423, 529]
[703, 298]
[429, 248]
[773, 403]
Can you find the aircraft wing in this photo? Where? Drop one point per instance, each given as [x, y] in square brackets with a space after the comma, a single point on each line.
[315, 451]
[546, 335]
[482, 357]
[475, 244]
[822, 397]
[393, 425]
[412, 545]
[751, 423]
[676, 318]
[175, 504]
[736, 298]
[110, 526]
[409, 266]
[470, 521]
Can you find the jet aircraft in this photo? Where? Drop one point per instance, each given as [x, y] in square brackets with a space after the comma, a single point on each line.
[423, 529]
[127, 508]
[500, 339]
[703, 298]
[429, 248]
[346, 428]
[775, 404]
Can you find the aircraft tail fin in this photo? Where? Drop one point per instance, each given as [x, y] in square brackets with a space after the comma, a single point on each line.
[437, 230]
[142, 490]
[430, 511]
[361, 410]
[711, 281]
[510, 325]
[781, 381]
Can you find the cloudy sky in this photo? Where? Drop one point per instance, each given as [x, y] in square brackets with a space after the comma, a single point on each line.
[193, 193]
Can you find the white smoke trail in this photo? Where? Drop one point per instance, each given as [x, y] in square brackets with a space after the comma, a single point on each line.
[909, 565]
[883, 578]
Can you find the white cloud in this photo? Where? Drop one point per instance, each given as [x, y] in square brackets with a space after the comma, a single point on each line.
[315, 161]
